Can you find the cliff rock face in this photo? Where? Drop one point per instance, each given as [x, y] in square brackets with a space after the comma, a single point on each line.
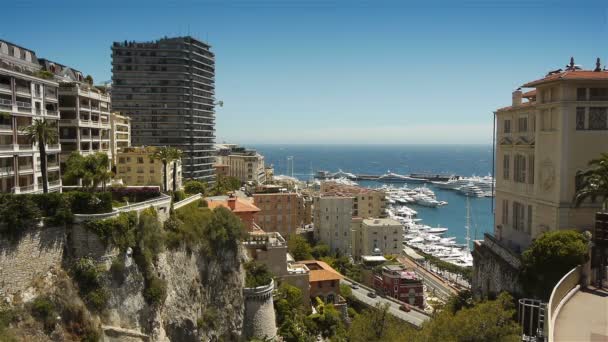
[204, 298]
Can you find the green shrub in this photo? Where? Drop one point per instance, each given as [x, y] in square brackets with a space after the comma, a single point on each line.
[98, 298]
[55, 207]
[18, 213]
[90, 203]
[209, 320]
[44, 310]
[178, 196]
[117, 270]
[119, 231]
[256, 274]
[155, 291]
[195, 187]
[87, 274]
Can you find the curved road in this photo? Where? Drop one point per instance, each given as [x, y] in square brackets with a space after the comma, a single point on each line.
[414, 317]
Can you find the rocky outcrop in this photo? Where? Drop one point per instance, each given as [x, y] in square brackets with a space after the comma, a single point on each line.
[196, 285]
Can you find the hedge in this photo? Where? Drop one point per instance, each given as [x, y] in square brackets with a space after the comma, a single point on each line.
[90, 203]
[138, 194]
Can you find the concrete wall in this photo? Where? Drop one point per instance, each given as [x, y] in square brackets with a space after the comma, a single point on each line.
[34, 255]
[495, 269]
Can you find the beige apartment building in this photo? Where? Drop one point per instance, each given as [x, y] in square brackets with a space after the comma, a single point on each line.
[547, 134]
[541, 144]
[281, 212]
[376, 236]
[366, 202]
[26, 94]
[137, 167]
[245, 164]
[120, 136]
[332, 221]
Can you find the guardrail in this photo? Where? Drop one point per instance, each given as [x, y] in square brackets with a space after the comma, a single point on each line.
[161, 200]
[187, 201]
[562, 292]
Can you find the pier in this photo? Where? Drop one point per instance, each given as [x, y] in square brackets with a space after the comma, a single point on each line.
[421, 177]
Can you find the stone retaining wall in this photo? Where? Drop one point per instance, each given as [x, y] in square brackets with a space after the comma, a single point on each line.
[259, 312]
[34, 255]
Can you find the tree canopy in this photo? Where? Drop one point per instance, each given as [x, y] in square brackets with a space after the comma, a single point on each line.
[593, 183]
[92, 169]
[549, 258]
[299, 248]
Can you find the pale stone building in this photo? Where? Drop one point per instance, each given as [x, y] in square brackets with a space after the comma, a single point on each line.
[370, 236]
[332, 221]
[541, 143]
[366, 202]
[281, 212]
[136, 166]
[120, 133]
[244, 164]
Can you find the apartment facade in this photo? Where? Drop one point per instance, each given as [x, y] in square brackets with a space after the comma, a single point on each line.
[26, 94]
[332, 222]
[136, 166]
[397, 282]
[281, 212]
[376, 236]
[167, 87]
[366, 202]
[540, 146]
[548, 134]
[120, 137]
[247, 165]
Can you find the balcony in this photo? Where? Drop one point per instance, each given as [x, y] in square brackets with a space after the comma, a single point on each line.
[52, 113]
[23, 90]
[25, 168]
[50, 95]
[25, 189]
[53, 147]
[6, 170]
[24, 106]
[9, 147]
[55, 183]
[5, 88]
[6, 103]
[6, 127]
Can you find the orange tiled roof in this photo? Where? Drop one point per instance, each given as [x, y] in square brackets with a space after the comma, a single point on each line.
[523, 105]
[529, 94]
[583, 75]
[320, 271]
[240, 205]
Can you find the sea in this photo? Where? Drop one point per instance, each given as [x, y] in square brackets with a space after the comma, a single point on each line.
[461, 160]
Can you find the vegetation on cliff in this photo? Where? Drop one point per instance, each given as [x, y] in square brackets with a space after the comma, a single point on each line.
[549, 258]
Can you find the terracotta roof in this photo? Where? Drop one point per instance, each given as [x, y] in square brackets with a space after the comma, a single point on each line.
[529, 94]
[320, 271]
[583, 75]
[239, 205]
[523, 105]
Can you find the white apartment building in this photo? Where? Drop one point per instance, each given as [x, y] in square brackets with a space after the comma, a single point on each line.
[376, 235]
[332, 222]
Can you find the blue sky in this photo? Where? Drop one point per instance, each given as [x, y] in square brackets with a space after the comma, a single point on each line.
[378, 72]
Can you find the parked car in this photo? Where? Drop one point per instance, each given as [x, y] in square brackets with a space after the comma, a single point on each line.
[404, 307]
[354, 286]
[372, 294]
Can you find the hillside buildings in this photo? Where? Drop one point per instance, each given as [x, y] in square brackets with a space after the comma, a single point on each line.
[167, 87]
[26, 94]
[241, 207]
[366, 202]
[324, 281]
[137, 166]
[376, 237]
[120, 137]
[397, 282]
[547, 134]
[332, 219]
[246, 165]
[281, 212]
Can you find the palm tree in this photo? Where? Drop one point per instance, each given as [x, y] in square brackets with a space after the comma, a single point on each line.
[593, 183]
[163, 154]
[176, 155]
[92, 170]
[42, 132]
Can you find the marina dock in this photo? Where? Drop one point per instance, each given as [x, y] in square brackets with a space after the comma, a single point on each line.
[423, 177]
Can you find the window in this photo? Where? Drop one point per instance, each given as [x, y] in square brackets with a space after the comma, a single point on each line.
[140, 160]
[598, 94]
[507, 126]
[505, 166]
[121, 160]
[519, 173]
[581, 94]
[531, 168]
[518, 216]
[505, 212]
[580, 118]
[548, 120]
[522, 124]
[140, 170]
[597, 118]
[529, 225]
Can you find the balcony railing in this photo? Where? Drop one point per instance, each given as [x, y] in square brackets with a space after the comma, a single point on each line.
[22, 89]
[6, 127]
[52, 113]
[25, 188]
[24, 104]
[6, 147]
[5, 86]
[6, 169]
[54, 183]
[4, 102]
[53, 147]
[26, 167]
